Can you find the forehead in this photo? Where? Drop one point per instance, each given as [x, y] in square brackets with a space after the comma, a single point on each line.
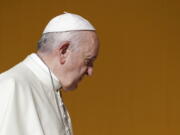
[90, 43]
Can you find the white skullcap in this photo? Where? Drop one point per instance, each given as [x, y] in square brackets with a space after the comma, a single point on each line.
[68, 22]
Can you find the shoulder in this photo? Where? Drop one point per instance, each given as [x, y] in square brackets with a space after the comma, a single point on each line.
[15, 84]
[17, 75]
[11, 82]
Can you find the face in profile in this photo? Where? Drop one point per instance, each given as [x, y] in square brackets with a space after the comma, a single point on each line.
[80, 61]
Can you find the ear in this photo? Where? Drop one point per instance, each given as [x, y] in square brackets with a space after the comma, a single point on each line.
[63, 51]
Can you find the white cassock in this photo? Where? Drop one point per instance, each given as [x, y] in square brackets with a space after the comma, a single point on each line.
[28, 103]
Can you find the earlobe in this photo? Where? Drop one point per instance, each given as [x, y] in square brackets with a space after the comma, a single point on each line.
[63, 51]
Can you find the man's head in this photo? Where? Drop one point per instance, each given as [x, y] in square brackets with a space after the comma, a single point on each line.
[69, 54]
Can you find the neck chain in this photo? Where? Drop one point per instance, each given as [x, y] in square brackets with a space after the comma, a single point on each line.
[61, 107]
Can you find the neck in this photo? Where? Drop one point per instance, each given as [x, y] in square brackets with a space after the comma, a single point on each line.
[40, 70]
[46, 58]
[51, 62]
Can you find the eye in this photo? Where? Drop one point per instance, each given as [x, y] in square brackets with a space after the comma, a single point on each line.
[88, 62]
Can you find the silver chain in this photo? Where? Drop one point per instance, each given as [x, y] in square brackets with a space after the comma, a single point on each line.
[61, 107]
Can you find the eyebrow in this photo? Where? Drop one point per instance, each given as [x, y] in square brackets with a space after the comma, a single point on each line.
[90, 57]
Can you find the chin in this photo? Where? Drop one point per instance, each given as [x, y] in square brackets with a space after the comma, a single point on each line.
[72, 87]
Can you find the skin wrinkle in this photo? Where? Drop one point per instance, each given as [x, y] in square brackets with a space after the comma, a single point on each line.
[73, 57]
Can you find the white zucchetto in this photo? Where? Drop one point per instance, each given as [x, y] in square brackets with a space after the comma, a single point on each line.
[68, 22]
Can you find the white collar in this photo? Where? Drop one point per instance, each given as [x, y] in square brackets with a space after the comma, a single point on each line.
[40, 69]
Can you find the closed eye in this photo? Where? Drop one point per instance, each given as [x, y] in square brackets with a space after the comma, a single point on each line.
[89, 62]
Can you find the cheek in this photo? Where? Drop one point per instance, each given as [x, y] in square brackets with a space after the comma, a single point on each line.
[73, 69]
[79, 70]
[83, 69]
[75, 65]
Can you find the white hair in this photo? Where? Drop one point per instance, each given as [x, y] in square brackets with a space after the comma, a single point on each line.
[52, 40]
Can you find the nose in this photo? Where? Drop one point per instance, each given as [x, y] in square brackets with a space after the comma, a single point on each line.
[89, 71]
